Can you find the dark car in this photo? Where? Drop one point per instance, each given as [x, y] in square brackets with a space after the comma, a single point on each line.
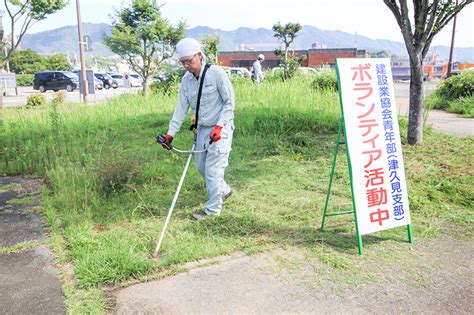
[55, 80]
[107, 80]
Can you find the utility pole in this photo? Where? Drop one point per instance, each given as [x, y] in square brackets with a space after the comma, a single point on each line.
[450, 61]
[85, 91]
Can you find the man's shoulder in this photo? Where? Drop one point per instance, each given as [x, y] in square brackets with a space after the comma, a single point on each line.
[216, 70]
[187, 76]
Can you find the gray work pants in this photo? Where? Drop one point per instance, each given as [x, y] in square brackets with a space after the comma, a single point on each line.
[212, 163]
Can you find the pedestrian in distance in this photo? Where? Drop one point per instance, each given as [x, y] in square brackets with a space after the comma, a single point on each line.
[213, 123]
[257, 73]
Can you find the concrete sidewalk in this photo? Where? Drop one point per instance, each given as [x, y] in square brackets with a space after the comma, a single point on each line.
[442, 121]
[435, 277]
[29, 280]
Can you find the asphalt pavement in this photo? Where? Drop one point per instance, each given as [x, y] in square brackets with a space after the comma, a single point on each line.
[29, 281]
[12, 99]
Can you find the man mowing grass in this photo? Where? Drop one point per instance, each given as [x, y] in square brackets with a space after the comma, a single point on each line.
[208, 92]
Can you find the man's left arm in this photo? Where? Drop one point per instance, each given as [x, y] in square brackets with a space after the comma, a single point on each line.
[227, 94]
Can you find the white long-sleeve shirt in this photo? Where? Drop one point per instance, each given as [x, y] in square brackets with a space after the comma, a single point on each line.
[217, 100]
[257, 70]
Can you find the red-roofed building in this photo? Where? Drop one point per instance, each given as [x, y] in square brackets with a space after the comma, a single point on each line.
[314, 57]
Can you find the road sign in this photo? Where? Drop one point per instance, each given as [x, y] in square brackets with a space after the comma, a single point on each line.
[87, 43]
[90, 82]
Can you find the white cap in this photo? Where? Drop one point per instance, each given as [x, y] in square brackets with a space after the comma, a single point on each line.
[187, 47]
[261, 56]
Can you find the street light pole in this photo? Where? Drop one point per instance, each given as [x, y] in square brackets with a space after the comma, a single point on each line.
[450, 60]
[85, 91]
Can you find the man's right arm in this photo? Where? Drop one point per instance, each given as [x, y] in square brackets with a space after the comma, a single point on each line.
[180, 113]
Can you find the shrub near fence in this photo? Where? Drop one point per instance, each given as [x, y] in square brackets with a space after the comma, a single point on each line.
[24, 79]
[36, 99]
[455, 94]
[325, 81]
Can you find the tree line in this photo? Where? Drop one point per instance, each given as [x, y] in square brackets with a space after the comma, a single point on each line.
[29, 61]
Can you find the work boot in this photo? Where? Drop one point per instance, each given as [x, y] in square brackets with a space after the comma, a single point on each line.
[224, 197]
[200, 215]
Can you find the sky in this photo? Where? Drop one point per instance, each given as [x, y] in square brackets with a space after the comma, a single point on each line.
[370, 18]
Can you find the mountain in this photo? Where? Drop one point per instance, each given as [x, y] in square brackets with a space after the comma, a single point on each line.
[64, 40]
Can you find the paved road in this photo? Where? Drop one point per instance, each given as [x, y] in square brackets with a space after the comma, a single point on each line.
[440, 121]
[12, 100]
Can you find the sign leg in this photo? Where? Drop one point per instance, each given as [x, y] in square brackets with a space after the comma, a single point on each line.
[410, 235]
[332, 174]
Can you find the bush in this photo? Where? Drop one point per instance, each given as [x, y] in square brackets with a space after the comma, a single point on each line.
[463, 106]
[325, 81]
[59, 97]
[276, 76]
[455, 95]
[36, 99]
[458, 86]
[24, 79]
[115, 173]
[166, 87]
[169, 78]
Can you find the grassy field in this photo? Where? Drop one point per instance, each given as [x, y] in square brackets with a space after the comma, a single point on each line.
[110, 184]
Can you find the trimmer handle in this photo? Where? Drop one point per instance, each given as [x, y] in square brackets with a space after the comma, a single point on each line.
[211, 141]
[162, 140]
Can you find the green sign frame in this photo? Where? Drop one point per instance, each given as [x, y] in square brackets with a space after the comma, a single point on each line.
[339, 141]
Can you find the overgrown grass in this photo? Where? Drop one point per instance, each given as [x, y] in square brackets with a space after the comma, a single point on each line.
[110, 184]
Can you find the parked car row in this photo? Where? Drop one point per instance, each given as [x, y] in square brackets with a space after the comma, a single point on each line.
[121, 78]
[69, 80]
[102, 80]
[107, 80]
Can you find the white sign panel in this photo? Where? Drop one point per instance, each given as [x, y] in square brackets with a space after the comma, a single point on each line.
[373, 141]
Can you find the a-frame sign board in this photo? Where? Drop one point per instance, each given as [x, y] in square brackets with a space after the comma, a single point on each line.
[369, 126]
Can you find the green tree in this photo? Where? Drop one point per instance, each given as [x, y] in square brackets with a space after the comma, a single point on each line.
[27, 61]
[58, 62]
[27, 13]
[143, 37]
[211, 45]
[287, 34]
[429, 18]
[381, 54]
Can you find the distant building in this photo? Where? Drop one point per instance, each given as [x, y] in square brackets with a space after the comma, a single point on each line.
[314, 57]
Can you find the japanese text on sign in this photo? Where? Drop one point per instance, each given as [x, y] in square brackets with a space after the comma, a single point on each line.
[373, 140]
